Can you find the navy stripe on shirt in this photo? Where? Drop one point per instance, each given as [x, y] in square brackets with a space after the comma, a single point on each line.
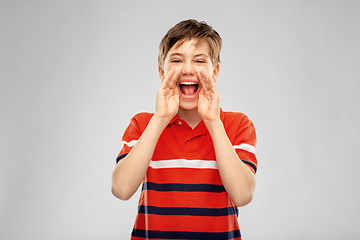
[120, 157]
[180, 187]
[209, 212]
[186, 235]
[251, 165]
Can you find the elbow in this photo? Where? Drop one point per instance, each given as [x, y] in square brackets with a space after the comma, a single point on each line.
[121, 193]
[245, 194]
[243, 199]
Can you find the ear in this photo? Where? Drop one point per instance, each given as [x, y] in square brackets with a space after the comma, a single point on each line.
[216, 71]
[161, 73]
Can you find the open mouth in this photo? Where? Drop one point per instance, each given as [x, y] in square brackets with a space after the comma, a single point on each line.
[189, 89]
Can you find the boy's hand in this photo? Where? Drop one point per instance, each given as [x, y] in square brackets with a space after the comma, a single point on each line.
[209, 98]
[167, 99]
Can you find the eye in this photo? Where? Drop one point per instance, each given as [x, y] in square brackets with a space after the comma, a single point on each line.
[176, 61]
[200, 61]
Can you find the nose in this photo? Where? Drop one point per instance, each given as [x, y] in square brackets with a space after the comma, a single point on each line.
[188, 69]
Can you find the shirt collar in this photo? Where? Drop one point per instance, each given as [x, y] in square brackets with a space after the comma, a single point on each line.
[176, 117]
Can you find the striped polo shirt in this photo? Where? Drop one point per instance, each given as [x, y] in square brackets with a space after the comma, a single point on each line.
[182, 194]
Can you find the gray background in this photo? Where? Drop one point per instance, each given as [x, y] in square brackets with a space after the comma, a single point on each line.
[74, 72]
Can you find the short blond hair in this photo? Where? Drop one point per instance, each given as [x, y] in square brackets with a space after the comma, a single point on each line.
[191, 29]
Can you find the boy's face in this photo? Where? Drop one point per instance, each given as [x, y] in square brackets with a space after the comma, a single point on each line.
[189, 60]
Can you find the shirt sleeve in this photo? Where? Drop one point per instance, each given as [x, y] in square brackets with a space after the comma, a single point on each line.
[129, 139]
[244, 143]
[133, 132]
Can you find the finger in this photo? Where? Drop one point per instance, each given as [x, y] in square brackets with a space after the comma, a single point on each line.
[201, 80]
[204, 79]
[212, 82]
[215, 77]
[176, 92]
[174, 78]
[203, 88]
[165, 81]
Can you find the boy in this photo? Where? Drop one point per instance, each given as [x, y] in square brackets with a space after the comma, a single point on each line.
[196, 162]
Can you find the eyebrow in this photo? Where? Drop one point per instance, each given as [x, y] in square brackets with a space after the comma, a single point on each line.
[197, 55]
[175, 54]
[202, 55]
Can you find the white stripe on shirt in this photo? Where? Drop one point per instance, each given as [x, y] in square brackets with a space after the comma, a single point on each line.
[183, 163]
[131, 143]
[246, 147]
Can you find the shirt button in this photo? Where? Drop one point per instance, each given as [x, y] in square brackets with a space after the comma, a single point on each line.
[180, 123]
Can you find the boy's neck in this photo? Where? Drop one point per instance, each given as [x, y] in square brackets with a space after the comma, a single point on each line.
[191, 117]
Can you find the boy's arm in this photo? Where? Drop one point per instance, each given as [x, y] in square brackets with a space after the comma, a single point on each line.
[130, 171]
[237, 178]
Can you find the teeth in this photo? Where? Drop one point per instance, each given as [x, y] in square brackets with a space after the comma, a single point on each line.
[188, 83]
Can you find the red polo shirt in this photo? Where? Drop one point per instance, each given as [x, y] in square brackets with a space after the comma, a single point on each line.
[182, 195]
